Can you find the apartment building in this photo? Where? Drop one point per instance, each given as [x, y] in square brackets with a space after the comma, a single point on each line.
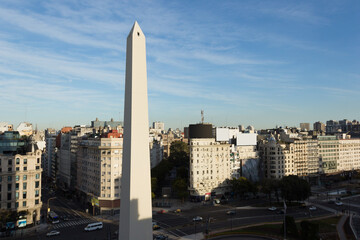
[328, 153]
[349, 155]
[210, 168]
[20, 185]
[99, 161]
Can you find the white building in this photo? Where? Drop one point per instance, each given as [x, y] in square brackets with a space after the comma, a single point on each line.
[210, 168]
[21, 186]
[25, 128]
[349, 155]
[4, 126]
[99, 171]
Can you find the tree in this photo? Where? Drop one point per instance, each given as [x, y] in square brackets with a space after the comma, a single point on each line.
[8, 216]
[181, 188]
[179, 154]
[242, 185]
[294, 188]
[153, 186]
[270, 186]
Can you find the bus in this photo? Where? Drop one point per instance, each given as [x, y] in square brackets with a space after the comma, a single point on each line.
[93, 226]
[53, 217]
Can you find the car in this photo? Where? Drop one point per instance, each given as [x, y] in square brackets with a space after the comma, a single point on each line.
[338, 203]
[53, 233]
[231, 212]
[161, 211]
[197, 219]
[272, 208]
[312, 208]
[155, 227]
[177, 210]
[160, 237]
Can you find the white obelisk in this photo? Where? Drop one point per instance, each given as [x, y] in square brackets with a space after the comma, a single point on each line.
[135, 198]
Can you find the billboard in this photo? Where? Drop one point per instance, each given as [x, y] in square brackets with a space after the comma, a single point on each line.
[222, 134]
[246, 139]
[22, 223]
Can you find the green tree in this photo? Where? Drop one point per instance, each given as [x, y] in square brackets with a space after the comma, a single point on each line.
[181, 188]
[294, 188]
[241, 186]
[8, 216]
[153, 186]
[179, 154]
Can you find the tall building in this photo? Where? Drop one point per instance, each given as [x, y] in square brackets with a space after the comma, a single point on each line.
[20, 178]
[210, 166]
[305, 126]
[159, 126]
[328, 153]
[99, 171]
[101, 124]
[319, 126]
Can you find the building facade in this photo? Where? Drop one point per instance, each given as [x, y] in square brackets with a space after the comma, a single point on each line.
[99, 162]
[210, 168]
[20, 184]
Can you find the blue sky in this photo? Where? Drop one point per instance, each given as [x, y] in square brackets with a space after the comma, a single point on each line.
[260, 63]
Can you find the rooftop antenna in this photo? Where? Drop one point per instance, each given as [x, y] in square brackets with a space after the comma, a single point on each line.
[202, 116]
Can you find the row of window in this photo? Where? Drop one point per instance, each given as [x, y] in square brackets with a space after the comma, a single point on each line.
[9, 205]
[17, 177]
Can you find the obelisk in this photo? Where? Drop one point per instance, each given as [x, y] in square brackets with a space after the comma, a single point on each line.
[135, 197]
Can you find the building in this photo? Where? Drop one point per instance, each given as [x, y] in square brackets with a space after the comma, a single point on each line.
[319, 126]
[305, 126]
[159, 126]
[99, 161]
[210, 166]
[20, 178]
[4, 126]
[328, 153]
[25, 128]
[50, 157]
[349, 155]
[102, 124]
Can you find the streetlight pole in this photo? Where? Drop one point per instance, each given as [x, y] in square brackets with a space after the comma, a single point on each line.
[48, 205]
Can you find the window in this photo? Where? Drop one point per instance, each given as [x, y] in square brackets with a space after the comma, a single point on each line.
[16, 205]
[9, 196]
[0, 178]
[36, 193]
[37, 167]
[17, 169]
[38, 160]
[37, 184]
[36, 201]
[9, 178]
[17, 177]
[9, 187]
[24, 203]
[24, 185]
[37, 176]
[25, 161]
[24, 195]
[10, 162]
[9, 205]
[9, 169]
[18, 161]
[17, 195]
[25, 177]
[25, 168]
[17, 186]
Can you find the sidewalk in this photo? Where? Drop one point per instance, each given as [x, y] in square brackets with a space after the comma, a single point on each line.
[26, 232]
[340, 227]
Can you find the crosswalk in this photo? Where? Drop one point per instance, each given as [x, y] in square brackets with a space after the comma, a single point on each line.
[72, 223]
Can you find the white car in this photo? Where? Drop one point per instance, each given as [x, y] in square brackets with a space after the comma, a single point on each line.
[53, 233]
[197, 219]
[312, 208]
[338, 203]
[272, 208]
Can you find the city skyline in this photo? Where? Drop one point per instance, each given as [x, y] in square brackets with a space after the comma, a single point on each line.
[251, 63]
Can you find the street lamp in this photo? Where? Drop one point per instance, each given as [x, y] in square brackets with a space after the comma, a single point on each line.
[48, 205]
